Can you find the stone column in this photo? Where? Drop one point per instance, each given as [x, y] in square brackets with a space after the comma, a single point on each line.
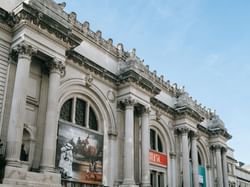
[224, 163]
[145, 143]
[195, 160]
[172, 171]
[185, 157]
[219, 166]
[128, 173]
[17, 113]
[51, 121]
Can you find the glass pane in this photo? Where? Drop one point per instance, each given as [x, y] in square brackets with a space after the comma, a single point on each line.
[92, 120]
[80, 112]
[160, 148]
[152, 139]
[65, 112]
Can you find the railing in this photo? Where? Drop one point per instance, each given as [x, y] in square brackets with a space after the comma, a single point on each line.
[66, 183]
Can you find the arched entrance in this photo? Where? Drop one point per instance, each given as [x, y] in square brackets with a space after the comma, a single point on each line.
[80, 141]
[158, 159]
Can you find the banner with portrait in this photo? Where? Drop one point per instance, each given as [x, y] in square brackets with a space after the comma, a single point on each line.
[79, 155]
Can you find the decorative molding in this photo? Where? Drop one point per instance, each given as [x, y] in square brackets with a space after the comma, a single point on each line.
[89, 80]
[56, 66]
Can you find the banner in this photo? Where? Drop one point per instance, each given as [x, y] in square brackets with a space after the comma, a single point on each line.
[157, 158]
[79, 154]
[202, 176]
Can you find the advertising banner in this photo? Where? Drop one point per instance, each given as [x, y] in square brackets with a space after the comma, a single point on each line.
[202, 176]
[79, 154]
[157, 158]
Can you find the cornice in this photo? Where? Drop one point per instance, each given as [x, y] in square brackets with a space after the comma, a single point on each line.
[214, 132]
[164, 107]
[184, 111]
[91, 66]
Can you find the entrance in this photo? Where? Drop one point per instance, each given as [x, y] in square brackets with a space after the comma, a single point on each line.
[157, 178]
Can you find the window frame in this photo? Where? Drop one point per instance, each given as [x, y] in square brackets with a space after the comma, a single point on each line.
[89, 104]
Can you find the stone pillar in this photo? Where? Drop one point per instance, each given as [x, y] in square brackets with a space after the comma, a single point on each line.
[224, 163]
[18, 106]
[185, 157]
[51, 121]
[219, 166]
[195, 160]
[145, 143]
[172, 171]
[128, 172]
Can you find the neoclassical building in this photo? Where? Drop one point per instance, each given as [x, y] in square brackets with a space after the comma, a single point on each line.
[75, 110]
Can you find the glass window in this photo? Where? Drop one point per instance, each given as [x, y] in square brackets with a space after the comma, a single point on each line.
[92, 119]
[65, 113]
[80, 112]
[155, 141]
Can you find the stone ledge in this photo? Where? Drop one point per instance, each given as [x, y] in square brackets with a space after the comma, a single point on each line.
[20, 177]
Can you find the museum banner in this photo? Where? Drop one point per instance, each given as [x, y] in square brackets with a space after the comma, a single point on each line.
[157, 158]
[79, 154]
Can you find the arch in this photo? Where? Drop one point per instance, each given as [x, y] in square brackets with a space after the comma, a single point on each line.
[93, 93]
[164, 130]
[204, 153]
[104, 113]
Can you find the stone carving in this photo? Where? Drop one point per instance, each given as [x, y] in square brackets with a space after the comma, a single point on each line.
[85, 27]
[72, 17]
[57, 66]
[89, 80]
[129, 101]
[158, 115]
[111, 96]
[62, 5]
[25, 49]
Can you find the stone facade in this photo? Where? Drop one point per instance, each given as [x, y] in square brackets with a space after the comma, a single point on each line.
[138, 128]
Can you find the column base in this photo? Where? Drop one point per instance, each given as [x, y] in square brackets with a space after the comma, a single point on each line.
[49, 169]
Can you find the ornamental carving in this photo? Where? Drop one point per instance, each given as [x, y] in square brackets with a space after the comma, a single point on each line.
[89, 80]
[129, 101]
[183, 130]
[24, 49]
[57, 66]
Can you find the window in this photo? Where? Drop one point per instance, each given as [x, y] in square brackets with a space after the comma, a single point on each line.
[78, 111]
[155, 141]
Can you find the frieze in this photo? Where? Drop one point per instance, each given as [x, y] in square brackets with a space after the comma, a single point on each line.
[164, 107]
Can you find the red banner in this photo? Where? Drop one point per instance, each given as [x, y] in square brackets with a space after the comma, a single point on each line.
[157, 158]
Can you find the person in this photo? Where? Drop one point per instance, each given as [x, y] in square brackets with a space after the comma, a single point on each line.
[66, 160]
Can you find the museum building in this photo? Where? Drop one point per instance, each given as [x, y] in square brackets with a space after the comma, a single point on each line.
[75, 110]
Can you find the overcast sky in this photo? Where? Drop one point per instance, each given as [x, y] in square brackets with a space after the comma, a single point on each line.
[201, 44]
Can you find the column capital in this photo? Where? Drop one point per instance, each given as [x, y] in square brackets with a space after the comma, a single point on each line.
[172, 155]
[129, 102]
[217, 146]
[22, 50]
[146, 110]
[194, 135]
[183, 130]
[56, 66]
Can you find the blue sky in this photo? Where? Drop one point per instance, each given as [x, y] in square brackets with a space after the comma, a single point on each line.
[201, 44]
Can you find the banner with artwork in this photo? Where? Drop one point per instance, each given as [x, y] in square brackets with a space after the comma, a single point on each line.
[79, 155]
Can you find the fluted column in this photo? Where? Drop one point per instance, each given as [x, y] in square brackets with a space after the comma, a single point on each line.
[219, 165]
[17, 113]
[185, 157]
[145, 139]
[224, 163]
[128, 173]
[195, 160]
[51, 121]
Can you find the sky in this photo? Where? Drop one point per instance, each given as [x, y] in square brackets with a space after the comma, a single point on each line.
[203, 45]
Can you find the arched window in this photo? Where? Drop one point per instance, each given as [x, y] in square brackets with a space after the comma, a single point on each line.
[155, 141]
[79, 112]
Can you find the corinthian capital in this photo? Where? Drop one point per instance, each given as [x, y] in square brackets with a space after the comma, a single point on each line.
[24, 49]
[57, 66]
[129, 101]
